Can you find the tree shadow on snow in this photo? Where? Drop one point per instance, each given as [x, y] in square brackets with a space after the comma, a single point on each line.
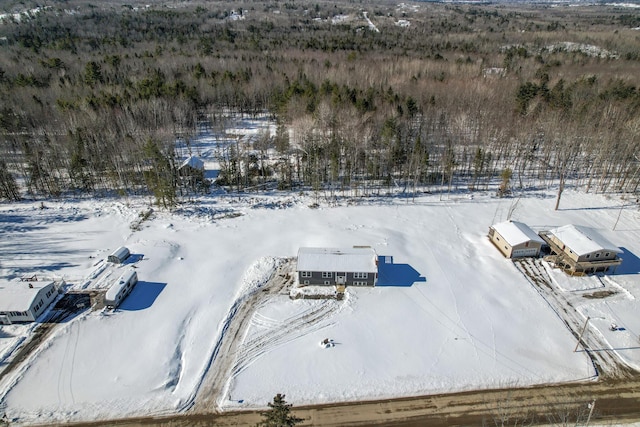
[142, 296]
[402, 275]
[630, 263]
[601, 208]
[17, 272]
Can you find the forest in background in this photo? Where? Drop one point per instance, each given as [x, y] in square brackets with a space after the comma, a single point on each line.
[421, 96]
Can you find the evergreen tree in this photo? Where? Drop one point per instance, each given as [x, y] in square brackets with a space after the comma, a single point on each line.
[279, 414]
[92, 73]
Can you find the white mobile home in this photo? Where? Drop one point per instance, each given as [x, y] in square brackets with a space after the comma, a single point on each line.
[25, 301]
[120, 289]
[119, 255]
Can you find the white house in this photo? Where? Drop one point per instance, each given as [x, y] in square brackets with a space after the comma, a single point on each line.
[357, 266]
[22, 301]
[515, 239]
[192, 163]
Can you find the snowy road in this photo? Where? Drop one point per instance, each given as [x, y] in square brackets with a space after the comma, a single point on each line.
[616, 401]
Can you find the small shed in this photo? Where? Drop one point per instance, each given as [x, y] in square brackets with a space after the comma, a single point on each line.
[119, 255]
[190, 165]
[515, 239]
[357, 266]
[22, 301]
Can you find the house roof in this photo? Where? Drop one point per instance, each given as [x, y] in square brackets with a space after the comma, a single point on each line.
[193, 162]
[583, 240]
[18, 296]
[516, 233]
[337, 259]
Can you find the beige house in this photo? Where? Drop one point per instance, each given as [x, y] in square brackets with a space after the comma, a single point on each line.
[515, 239]
[581, 250]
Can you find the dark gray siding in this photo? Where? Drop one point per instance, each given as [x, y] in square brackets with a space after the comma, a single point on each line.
[331, 278]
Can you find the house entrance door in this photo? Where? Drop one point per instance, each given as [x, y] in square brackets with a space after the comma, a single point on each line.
[341, 278]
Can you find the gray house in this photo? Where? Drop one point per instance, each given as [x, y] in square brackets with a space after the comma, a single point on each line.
[22, 301]
[357, 266]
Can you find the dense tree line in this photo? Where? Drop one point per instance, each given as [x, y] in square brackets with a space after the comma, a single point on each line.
[96, 97]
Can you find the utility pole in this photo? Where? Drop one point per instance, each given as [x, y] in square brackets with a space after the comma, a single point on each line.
[584, 328]
[619, 214]
[592, 405]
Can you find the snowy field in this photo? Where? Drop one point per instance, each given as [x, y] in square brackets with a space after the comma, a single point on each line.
[456, 316]
[453, 314]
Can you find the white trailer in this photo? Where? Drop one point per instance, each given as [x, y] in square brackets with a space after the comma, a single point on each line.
[120, 289]
[119, 255]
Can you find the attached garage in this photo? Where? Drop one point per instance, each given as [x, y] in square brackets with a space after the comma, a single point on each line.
[517, 253]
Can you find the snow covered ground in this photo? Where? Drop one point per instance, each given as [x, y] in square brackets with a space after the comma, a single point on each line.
[456, 315]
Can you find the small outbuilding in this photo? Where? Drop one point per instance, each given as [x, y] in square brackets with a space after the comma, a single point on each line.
[190, 165]
[119, 256]
[22, 301]
[581, 250]
[192, 174]
[515, 239]
[357, 266]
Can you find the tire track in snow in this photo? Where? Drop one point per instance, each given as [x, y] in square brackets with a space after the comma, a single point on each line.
[73, 359]
[280, 333]
[234, 326]
[604, 360]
